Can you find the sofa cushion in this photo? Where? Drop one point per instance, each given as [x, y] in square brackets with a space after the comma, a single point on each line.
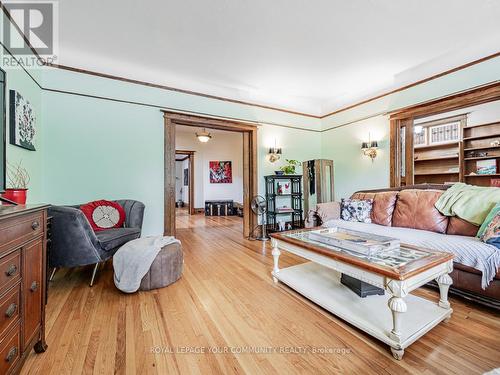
[415, 209]
[110, 239]
[469, 251]
[460, 227]
[383, 205]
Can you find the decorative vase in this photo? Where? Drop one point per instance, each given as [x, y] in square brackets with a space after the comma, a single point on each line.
[279, 173]
[16, 195]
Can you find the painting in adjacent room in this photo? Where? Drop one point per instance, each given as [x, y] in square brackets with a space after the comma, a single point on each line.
[220, 172]
[22, 121]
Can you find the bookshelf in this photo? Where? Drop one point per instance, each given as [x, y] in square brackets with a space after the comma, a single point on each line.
[481, 148]
[436, 152]
[284, 201]
[448, 150]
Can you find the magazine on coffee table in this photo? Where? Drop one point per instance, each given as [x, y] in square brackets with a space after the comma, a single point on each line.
[359, 242]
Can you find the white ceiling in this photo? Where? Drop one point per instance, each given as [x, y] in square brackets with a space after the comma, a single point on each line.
[312, 56]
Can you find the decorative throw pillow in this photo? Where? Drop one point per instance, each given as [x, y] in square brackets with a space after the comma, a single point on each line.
[490, 229]
[103, 214]
[356, 210]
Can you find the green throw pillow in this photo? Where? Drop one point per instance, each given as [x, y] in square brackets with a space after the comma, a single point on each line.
[487, 229]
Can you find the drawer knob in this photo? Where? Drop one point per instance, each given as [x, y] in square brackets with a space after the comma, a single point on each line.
[11, 310]
[34, 286]
[35, 225]
[11, 355]
[11, 271]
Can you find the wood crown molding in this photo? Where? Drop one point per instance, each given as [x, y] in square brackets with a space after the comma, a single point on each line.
[242, 102]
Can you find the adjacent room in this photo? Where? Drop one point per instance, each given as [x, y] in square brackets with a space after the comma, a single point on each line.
[249, 187]
[209, 176]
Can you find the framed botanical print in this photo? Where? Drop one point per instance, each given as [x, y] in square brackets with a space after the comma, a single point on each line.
[22, 121]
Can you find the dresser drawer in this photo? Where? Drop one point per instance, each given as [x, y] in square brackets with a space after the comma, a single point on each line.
[9, 308]
[10, 269]
[10, 350]
[18, 230]
[32, 290]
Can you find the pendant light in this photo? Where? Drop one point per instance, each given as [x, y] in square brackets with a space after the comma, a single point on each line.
[203, 136]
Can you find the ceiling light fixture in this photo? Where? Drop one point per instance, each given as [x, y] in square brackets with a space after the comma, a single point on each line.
[203, 136]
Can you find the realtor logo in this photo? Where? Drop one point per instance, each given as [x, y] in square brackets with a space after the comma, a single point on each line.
[35, 21]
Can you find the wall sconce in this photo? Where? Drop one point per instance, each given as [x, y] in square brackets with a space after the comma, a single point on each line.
[274, 153]
[370, 148]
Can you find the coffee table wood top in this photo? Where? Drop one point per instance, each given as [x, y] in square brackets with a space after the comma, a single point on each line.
[402, 272]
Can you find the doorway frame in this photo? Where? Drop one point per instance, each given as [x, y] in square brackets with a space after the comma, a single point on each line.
[249, 131]
[406, 116]
[190, 156]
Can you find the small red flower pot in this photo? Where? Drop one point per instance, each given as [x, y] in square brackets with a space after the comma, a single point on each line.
[16, 195]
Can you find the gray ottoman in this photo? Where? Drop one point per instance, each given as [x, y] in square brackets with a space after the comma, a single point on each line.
[166, 268]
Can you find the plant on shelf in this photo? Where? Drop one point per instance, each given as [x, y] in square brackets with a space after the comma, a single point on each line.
[18, 179]
[289, 168]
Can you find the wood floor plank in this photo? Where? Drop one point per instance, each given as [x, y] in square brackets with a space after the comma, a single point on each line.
[227, 306]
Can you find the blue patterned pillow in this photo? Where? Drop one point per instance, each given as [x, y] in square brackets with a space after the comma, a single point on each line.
[356, 210]
[490, 230]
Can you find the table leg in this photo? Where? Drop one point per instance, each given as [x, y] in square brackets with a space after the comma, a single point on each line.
[444, 282]
[398, 307]
[276, 255]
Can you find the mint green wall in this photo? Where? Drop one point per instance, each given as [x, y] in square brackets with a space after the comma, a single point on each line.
[96, 148]
[19, 80]
[343, 132]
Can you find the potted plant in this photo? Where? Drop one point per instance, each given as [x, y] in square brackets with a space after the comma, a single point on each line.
[289, 168]
[18, 179]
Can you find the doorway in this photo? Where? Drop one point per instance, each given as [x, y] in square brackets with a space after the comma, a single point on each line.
[249, 164]
[184, 177]
[417, 158]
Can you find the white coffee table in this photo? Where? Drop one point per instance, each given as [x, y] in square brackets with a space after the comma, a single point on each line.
[396, 318]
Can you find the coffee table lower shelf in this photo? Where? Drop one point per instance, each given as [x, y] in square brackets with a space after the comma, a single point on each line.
[372, 315]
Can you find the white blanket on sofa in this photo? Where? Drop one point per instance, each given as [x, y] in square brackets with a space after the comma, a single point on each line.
[133, 260]
[469, 251]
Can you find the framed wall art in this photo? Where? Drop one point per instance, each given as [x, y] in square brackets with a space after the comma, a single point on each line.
[220, 172]
[22, 121]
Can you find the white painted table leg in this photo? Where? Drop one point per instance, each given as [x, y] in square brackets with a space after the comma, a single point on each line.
[444, 282]
[397, 353]
[398, 307]
[276, 255]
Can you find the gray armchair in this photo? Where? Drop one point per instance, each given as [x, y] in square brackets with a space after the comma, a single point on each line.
[74, 243]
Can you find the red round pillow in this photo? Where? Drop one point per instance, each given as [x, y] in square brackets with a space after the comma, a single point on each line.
[104, 214]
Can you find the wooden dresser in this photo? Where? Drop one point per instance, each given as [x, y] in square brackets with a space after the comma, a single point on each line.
[22, 284]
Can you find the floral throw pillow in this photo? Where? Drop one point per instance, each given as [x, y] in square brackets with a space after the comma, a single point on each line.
[356, 210]
[490, 230]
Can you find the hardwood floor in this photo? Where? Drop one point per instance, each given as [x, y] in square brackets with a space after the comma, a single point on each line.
[226, 300]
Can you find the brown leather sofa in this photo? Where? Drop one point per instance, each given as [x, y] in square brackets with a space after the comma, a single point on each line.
[413, 207]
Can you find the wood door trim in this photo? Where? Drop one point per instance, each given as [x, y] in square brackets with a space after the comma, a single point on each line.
[171, 119]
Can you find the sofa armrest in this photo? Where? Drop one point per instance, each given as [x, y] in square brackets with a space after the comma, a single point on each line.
[134, 212]
[324, 212]
[73, 241]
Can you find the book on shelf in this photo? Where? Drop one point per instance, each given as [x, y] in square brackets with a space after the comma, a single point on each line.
[358, 242]
[488, 166]
[284, 209]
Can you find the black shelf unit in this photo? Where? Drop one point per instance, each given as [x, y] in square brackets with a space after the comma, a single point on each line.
[293, 200]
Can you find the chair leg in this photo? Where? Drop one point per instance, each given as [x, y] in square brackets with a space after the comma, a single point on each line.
[94, 272]
[52, 274]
